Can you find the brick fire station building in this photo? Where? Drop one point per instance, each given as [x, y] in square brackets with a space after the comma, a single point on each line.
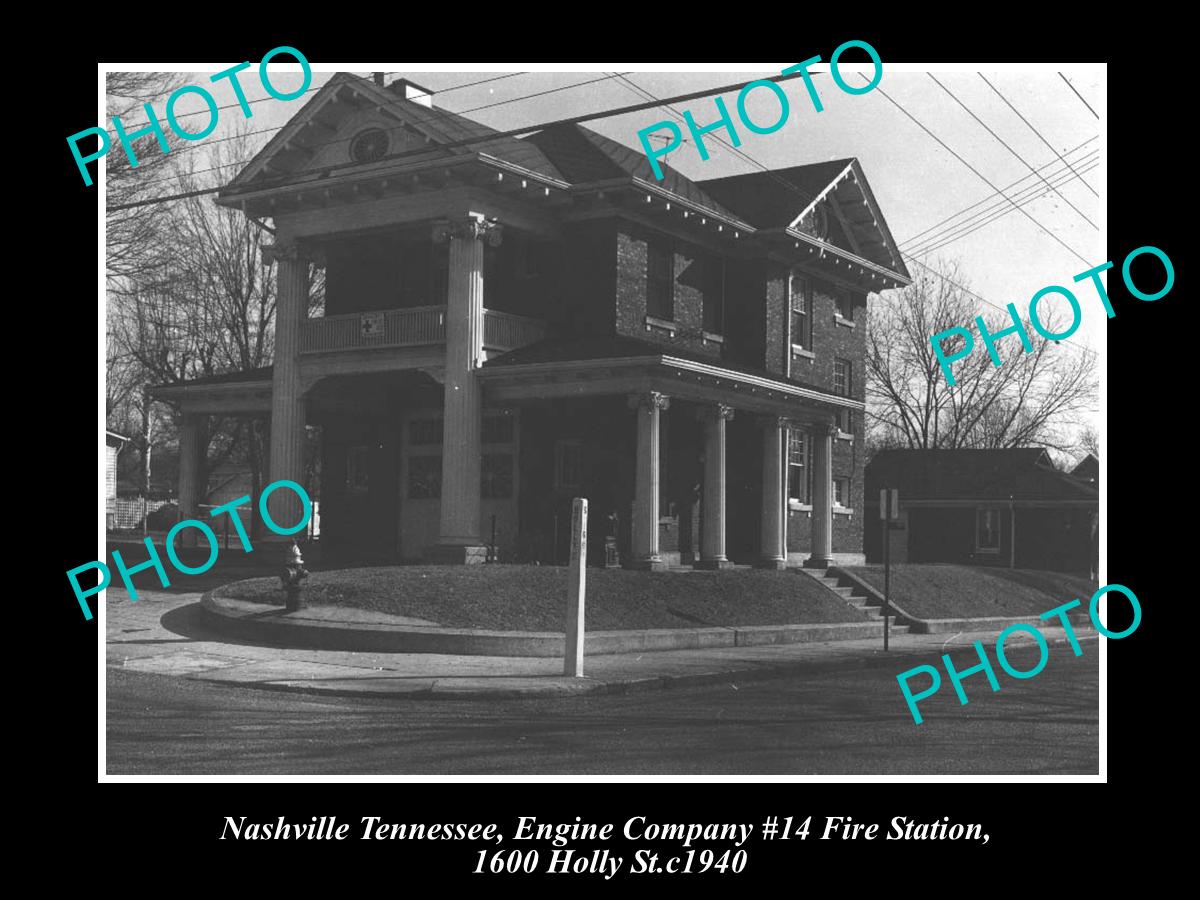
[513, 322]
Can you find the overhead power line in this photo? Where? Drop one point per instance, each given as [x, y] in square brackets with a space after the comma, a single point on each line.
[978, 174]
[937, 225]
[1079, 95]
[1041, 137]
[991, 212]
[446, 115]
[440, 114]
[997, 212]
[806, 197]
[1009, 148]
[466, 142]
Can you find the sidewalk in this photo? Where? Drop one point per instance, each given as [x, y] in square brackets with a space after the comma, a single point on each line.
[166, 634]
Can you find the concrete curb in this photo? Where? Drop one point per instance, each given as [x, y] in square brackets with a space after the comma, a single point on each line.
[272, 624]
[541, 686]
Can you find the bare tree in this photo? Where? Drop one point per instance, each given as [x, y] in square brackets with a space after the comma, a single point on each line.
[1034, 399]
[207, 306]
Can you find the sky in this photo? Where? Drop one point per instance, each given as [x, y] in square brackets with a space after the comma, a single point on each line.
[917, 182]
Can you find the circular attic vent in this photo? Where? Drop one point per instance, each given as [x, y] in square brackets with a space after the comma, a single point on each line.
[369, 145]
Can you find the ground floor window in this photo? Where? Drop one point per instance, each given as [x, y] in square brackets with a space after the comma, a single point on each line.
[496, 476]
[424, 477]
[357, 468]
[987, 529]
[797, 465]
[568, 465]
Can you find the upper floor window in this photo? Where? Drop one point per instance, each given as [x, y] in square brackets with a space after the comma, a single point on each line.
[801, 306]
[842, 377]
[714, 295]
[660, 282]
[845, 304]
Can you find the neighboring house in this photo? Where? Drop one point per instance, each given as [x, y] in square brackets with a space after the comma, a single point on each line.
[113, 443]
[1087, 470]
[513, 323]
[983, 507]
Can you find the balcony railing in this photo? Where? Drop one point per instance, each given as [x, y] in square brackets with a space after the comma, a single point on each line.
[504, 331]
[413, 327]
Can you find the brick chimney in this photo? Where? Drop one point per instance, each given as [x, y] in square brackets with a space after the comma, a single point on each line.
[411, 91]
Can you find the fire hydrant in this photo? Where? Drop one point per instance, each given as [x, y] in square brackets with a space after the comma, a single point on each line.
[292, 577]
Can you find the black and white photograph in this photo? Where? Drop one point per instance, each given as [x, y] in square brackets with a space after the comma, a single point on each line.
[564, 421]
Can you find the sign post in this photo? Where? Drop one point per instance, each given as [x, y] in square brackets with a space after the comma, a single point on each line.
[573, 663]
[889, 510]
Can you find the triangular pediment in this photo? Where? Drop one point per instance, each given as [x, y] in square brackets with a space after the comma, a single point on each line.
[829, 201]
[323, 132]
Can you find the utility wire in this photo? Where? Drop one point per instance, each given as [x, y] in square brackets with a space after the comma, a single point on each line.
[1079, 95]
[916, 237]
[1041, 137]
[440, 114]
[1022, 195]
[795, 189]
[979, 174]
[1009, 148]
[447, 115]
[466, 142]
[938, 243]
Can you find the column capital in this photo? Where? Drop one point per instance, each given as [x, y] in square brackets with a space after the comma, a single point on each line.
[282, 250]
[472, 227]
[718, 411]
[826, 429]
[648, 400]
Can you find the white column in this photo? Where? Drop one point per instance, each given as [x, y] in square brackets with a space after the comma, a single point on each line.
[191, 458]
[649, 407]
[287, 404]
[822, 501]
[774, 525]
[712, 548]
[459, 540]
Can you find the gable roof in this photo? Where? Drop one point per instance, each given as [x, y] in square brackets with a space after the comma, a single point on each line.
[1024, 473]
[764, 202]
[293, 152]
[784, 199]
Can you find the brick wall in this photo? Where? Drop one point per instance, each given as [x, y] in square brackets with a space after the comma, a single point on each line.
[632, 254]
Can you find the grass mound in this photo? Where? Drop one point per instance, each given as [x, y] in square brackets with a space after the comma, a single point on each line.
[533, 598]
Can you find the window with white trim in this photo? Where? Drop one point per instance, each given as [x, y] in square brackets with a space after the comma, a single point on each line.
[798, 469]
[987, 529]
[841, 492]
[800, 289]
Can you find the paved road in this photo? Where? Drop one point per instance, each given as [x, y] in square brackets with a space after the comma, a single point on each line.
[833, 723]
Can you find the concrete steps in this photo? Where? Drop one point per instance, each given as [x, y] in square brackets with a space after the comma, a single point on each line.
[852, 595]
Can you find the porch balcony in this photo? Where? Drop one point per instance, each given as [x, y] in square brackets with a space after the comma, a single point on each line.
[419, 326]
[392, 340]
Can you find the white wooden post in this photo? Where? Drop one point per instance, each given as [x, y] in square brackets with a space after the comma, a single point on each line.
[573, 664]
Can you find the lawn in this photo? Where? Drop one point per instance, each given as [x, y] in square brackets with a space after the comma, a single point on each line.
[533, 598]
[951, 592]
